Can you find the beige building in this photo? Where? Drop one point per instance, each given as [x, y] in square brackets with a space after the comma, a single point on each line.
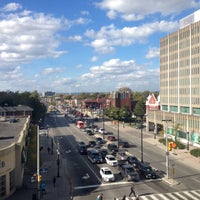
[180, 81]
[13, 145]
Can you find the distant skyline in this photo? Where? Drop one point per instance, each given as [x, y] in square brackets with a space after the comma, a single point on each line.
[74, 46]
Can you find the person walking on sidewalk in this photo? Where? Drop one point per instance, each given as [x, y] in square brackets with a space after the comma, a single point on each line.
[99, 197]
[132, 191]
[54, 181]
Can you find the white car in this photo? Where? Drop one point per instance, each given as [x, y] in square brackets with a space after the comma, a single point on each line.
[106, 174]
[102, 131]
[111, 160]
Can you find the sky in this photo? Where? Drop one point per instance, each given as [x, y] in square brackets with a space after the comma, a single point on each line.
[70, 46]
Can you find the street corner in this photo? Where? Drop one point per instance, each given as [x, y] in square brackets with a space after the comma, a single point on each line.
[170, 181]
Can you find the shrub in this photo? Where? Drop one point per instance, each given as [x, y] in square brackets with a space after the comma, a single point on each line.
[195, 152]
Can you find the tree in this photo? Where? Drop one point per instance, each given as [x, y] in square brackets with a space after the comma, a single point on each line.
[140, 108]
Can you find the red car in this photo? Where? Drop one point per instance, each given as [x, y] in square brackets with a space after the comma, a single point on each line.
[111, 138]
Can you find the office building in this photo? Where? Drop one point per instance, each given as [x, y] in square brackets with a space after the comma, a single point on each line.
[180, 81]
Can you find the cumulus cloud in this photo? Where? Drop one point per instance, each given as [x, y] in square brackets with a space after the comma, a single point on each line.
[132, 10]
[153, 52]
[52, 70]
[108, 37]
[118, 73]
[27, 37]
[11, 7]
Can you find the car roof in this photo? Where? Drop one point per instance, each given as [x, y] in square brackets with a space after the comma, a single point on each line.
[111, 156]
[106, 168]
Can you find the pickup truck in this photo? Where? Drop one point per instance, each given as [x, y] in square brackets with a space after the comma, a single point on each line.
[128, 172]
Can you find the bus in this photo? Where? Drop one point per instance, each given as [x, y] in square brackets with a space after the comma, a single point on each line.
[80, 124]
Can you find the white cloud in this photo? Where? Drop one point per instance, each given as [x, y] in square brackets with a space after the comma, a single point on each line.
[116, 73]
[24, 38]
[137, 10]
[94, 58]
[11, 7]
[153, 52]
[108, 37]
[52, 70]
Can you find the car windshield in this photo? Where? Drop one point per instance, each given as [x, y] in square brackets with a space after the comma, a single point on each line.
[111, 158]
[130, 170]
[148, 169]
[107, 172]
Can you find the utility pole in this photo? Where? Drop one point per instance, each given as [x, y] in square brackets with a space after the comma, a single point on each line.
[38, 163]
[167, 152]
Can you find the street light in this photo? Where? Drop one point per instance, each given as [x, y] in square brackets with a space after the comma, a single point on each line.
[167, 151]
[38, 163]
[141, 138]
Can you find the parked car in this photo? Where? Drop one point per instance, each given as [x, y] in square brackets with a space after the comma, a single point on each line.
[106, 174]
[111, 160]
[133, 161]
[124, 144]
[146, 171]
[111, 138]
[89, 132]
[99, 140]
[102, 131]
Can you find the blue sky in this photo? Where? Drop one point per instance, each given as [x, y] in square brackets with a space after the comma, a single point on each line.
[85, 45]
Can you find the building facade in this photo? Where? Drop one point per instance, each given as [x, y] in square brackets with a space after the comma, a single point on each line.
[180, 80]
[13, 146]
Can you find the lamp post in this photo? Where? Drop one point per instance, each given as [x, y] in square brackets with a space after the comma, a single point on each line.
[38, 163]
[118, 133]
[188, 141]
[58, 164]
[103, 123]
[142, 138]
[167, 152]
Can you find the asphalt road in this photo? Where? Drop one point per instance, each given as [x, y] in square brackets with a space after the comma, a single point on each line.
[86, 182]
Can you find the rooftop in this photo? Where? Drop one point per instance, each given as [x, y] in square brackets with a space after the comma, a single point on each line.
[10, 130]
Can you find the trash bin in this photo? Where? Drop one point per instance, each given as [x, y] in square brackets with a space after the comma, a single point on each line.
[34, 197]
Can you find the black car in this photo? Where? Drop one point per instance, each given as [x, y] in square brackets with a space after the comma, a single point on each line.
[123, 144]
[112, 148]
[91, 143]
[103, 152]
[146, 171]
[89, 132]
[82, 149]
[133, 161]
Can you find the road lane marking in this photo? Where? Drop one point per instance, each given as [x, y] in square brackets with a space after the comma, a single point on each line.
[100, 185]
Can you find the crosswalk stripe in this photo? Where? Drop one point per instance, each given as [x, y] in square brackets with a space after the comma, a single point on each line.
[181, 195]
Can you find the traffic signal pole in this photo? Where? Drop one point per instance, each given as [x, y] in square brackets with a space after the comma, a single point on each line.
[167, 151]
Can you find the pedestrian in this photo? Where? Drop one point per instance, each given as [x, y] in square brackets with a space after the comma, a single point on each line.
[124, 197]
[54, 181]
[48, 149]
[43, 187]
[132, 191]
[99, 197]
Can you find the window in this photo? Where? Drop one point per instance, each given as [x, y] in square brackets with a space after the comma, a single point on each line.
[2, 186]
[12, 179]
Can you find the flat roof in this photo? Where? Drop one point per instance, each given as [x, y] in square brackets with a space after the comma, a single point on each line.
[10, 132]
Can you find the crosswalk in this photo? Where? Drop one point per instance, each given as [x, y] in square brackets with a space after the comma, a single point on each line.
[181, 195]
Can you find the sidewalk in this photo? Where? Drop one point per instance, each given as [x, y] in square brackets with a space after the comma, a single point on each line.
[61, 190]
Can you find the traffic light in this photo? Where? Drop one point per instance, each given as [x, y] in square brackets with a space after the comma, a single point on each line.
[169, 146]
[39, 178]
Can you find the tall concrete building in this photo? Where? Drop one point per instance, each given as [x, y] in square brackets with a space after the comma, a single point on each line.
[180, 80]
